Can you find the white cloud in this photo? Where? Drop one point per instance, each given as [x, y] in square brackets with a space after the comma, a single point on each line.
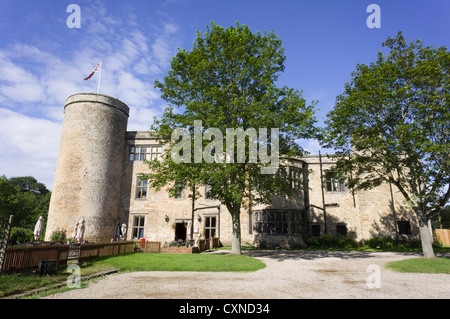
[29, 146]
[37, 79]
[18, 84]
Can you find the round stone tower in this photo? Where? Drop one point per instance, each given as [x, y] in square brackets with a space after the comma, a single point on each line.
[89, 167]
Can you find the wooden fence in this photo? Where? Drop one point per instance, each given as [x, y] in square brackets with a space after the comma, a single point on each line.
[148, 246]
[88, 251]
[444, 236]
[20, 259]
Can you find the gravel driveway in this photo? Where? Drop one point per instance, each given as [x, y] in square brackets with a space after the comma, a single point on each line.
[288, 274]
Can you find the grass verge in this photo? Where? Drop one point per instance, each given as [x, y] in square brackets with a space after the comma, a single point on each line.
[421, 265]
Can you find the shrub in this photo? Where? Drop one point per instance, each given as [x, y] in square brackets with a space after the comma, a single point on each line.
[326, 241]
[346, 242]
[20, 235]
[391, 243]
[311, 241]
[58, 235]
[263, 244]
[436, 242]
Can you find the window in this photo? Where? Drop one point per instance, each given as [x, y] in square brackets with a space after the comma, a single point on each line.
[141, 188]
[295, 178]
[210, 226]
[315, 230]
[404, 227]
[341, 229]
[335, 185]
[138, 227]
[180, 193]
[207, 189]
[277, 222]
[140, 153]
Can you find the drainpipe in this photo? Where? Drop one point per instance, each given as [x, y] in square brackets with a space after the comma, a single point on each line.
[193, 209]
[323, 195]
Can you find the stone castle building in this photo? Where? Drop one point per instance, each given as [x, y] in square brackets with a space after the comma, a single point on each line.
[98, 178]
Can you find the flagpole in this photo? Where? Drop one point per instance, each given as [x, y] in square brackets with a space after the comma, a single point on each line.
[99, 76]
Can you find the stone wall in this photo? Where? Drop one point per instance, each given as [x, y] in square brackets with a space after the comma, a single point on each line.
[158, 205]
[366, 214]
[89, 167]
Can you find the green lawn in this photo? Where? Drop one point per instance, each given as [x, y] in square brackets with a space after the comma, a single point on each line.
[183, 262]
[11, 284]
[421, 265]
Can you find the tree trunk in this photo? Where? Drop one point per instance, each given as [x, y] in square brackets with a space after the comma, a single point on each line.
[426, 238]
[236, 224]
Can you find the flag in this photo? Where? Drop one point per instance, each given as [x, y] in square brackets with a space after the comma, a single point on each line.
[93, 71]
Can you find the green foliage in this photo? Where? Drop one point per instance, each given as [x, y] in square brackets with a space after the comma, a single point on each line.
[228, 80]
[346, 243]
[58, 235]
[20, 235]
[29, 183]
[436, 242]
[388, 243]
[392, 124]
[443, 218]
[25, 198]
[394, 117]
[328, 241]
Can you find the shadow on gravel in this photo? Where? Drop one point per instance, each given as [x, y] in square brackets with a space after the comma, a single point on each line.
[281, 255]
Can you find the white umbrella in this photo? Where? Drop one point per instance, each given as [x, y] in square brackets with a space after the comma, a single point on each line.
[38, 228]
[75, 230]
[80, 231]
[124, 231]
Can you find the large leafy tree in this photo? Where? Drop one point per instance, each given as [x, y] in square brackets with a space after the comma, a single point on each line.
[228, 80]
[393, 118]
[25, 198]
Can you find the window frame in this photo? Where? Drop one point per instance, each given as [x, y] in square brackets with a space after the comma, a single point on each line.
[139, 153]
[210, 228]
[404, 227]
[141, 188]
[277, 222]
[138, 228]
[335, 185]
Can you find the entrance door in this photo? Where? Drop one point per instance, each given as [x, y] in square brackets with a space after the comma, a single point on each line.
[180, 231]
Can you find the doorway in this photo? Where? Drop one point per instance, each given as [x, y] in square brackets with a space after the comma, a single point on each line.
[180, 231]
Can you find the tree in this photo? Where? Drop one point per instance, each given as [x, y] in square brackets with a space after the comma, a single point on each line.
[25, 198]
[227, 81]
[29, 183]
[443, 218]
[7, 195]
[391, 125]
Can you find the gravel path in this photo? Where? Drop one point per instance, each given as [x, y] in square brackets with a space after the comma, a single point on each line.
[288, 274]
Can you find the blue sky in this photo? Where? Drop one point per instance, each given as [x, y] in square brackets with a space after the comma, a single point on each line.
[42, 61]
